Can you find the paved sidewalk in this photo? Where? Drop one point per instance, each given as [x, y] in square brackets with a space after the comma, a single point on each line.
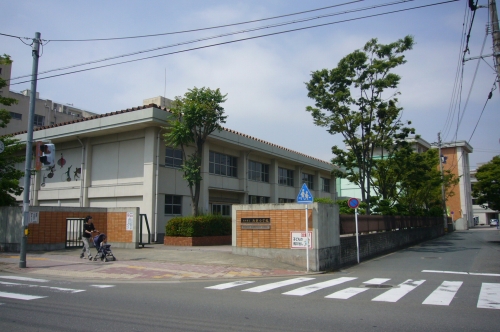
[153, 262]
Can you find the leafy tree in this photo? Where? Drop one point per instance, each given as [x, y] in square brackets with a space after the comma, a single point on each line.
[9, 175]
[411, 183]
[195, 116]
[367, 120]
[487, 188]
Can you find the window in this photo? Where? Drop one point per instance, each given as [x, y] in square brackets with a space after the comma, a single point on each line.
[173, 204]
[258, 171]
[257, 199]
[223, 210]
[285, 177]
[325, 185]
[308, 180]
[16, 116]
[39, 120]
[222, 164]
[173, 157]
[286, 200]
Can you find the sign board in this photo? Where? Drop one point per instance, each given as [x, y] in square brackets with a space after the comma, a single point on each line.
[298, 240]
[255, 223]
[34, 217]
[304, 196]
[353, 203]
[130, 221]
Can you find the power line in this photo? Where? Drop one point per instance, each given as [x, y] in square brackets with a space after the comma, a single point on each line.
[217, 36]
[242, 39]
[203, 29]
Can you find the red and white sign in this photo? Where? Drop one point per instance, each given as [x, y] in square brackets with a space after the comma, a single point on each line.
[298, 240]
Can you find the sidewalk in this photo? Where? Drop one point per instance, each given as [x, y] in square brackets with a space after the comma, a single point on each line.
[153, 262]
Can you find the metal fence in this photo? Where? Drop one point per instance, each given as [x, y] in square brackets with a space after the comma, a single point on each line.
[74, 230]
[376, 223]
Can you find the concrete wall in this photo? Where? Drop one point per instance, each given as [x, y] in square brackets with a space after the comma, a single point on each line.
[329, 251]
[50, 232]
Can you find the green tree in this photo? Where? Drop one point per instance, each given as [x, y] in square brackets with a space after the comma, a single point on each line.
[350, 100]
[195, 116]
[487, 188]
[9, 175]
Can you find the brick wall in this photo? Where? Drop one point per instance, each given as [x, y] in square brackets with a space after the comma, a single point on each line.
[278, 237]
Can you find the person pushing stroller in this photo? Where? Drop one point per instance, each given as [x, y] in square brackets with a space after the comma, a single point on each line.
[88, 229]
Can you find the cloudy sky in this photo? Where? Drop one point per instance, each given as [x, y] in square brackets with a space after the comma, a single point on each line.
[263, 77]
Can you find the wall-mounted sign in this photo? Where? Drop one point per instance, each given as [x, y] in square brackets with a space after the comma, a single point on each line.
[300, 241]
[255, 223]
[34, 217]
[130, 221]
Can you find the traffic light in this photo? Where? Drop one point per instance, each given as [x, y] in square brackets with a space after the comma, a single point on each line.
[45, 155]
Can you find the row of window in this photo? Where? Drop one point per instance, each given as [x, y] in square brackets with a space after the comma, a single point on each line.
[221, 164]
[39, 120]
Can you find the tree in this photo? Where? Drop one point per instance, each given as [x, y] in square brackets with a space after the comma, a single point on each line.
[487, 188]
[195, 116]
[367, 121]
[9, 175]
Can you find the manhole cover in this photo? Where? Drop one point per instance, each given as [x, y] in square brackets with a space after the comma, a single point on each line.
[378, 286]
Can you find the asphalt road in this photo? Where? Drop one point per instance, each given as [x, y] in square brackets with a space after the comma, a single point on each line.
[449, 284]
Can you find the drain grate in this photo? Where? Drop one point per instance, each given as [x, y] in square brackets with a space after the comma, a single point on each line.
[378, 286]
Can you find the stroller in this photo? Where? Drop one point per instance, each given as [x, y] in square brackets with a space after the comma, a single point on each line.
[103, 249]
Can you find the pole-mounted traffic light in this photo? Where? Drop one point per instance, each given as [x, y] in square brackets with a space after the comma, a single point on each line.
[45, 155]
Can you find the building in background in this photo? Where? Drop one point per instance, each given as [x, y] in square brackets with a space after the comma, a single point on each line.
[47, 112]
[482, 213]
[119, 159]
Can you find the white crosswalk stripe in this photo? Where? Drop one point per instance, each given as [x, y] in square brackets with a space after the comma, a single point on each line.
[312, 288]
[394, 294]
[230, 284]
[20, 296]
[274, 285]
[444, 294]
[489, 297]
[347, 293]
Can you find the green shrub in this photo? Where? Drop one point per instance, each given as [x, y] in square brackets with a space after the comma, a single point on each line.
[205, 225]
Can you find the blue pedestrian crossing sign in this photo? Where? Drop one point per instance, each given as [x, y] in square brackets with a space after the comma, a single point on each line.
[304, 196]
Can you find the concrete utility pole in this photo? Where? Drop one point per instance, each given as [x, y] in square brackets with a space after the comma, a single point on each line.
[443, 196]
[495, 33]
[29, 152]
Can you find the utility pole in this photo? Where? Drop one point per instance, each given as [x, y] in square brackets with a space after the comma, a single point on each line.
[495, 33]
[443, 197]
[29, 144]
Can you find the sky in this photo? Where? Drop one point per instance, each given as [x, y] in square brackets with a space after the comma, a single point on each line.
[263, 76]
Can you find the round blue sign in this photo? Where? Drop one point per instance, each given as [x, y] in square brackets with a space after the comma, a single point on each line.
[353, 203]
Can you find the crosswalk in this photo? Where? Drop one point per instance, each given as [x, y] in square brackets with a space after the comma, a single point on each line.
[443, 295]
[15, 287]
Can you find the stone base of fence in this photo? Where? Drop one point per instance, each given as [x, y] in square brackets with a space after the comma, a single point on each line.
[197, 241]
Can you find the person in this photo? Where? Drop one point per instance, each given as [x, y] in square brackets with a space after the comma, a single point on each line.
[88, 229]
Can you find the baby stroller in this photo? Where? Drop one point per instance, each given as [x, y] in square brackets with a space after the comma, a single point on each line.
[103, 249]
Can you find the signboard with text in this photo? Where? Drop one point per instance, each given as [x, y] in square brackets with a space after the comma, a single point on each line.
[299, 240]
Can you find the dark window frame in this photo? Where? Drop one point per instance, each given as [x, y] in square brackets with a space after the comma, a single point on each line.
[325, 185]
[173, 205]
[258, 171]
[173, 157]
[222, 164]
[285, 177]
[308, 179]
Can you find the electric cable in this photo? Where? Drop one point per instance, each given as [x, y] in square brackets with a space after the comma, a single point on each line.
[209, 28]
[214, 37]
[242, 39]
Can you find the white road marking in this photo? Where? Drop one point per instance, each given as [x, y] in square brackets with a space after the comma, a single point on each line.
[466, 273]
[376, 281]
[444, 294]
[102, 286]
[394, 294]
[347, 293]
[20, 296]
[69, 290]
[23, 279]
[489, 297]
[263, 288]
[320, 285]
[230, 284]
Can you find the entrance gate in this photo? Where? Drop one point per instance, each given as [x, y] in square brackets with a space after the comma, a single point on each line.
[74, 229]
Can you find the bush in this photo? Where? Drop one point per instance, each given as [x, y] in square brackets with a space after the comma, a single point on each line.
[206, 225]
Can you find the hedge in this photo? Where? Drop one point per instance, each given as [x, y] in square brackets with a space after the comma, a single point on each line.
[206, 225]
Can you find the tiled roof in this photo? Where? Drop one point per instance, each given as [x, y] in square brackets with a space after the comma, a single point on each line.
[164, 109]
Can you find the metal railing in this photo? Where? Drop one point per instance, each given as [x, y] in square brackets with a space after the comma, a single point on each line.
[74, 229]
[144, 217]
[376, 223]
